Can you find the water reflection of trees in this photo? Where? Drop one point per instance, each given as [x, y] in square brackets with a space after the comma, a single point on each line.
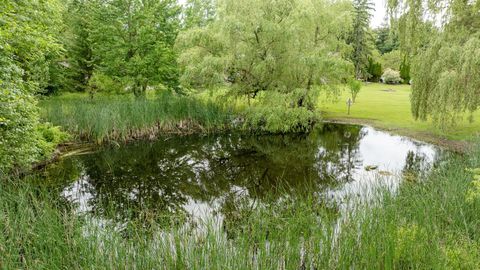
[166, 175]
[416, 165]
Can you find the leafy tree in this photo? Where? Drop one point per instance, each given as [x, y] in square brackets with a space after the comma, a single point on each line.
[360, 36]
[198, 13]
[28, 47]
[355, 86]
[386, 40]
[445, 72]
[133, 40]
[392, 60]
[277, 51]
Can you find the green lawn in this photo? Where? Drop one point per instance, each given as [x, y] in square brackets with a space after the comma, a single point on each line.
[388, 107]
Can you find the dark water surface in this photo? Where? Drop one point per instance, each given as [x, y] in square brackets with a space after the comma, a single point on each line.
[206, 175]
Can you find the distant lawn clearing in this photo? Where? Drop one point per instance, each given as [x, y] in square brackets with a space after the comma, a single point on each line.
[388, 107]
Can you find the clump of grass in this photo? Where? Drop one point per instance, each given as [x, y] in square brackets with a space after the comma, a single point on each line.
[432, 223]
[112, 118]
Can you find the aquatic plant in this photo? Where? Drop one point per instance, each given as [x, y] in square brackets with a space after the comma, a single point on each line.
[426, 225]
[119, 118]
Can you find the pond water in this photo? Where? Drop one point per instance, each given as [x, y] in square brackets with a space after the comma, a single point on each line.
[205, 175]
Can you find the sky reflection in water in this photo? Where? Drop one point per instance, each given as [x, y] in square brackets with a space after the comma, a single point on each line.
[200, 176]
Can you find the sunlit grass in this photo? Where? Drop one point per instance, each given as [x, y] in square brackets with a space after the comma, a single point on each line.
[388, 107]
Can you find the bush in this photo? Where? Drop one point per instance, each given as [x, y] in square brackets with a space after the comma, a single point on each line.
[49, 137]
[374, 70]
[405, 70]
[391, 76]
[105, 84]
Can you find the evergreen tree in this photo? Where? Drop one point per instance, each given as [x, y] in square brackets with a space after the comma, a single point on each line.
[374, 70]
[386, 40]
[360, 36]
[80, 62]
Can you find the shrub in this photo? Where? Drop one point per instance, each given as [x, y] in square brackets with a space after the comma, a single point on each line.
[103, 83]
[49, 137]
[374, 70]
[391, 76]
[405, 70]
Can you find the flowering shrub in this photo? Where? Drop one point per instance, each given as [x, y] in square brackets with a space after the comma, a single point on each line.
[391, 76]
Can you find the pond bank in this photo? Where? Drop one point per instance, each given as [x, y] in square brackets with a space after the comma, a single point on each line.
[430, 222]
[451, 145]
[388, 107]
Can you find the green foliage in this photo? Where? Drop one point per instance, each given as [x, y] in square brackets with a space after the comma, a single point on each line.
[27, 47]
[391, 76]
[392, 60]
[386, 40]
[355, 86]
[410, 238]
[446, 80]
[405, 70]
[29, 34]
[360, 37]
[374, 70]
[133, 42]
[18, 118]
[198, 13]
[445, 63]
[259, 46]
[102, 83]
[78, 42]
[275, 113]
[50, 137]
[459, 254]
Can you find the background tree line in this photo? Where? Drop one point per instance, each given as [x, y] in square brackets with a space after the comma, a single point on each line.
[280, 54]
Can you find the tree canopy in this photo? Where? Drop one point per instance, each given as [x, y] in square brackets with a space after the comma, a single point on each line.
[257, 46]
[133, 40]
[282, 52]
[445, 71]
[28, 50]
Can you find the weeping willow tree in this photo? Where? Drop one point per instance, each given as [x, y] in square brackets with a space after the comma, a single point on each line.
[446, 70]
[280, 52]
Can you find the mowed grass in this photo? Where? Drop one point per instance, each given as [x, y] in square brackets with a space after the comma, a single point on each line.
[388, 107]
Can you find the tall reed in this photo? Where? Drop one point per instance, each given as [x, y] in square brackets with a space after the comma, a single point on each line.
[428, 223]
[106, 118]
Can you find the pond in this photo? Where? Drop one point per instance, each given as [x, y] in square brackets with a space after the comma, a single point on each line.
[199, 176]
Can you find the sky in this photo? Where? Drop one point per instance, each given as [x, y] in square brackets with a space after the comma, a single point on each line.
[379, 13]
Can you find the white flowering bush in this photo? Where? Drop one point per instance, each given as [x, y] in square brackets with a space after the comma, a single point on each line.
[391, 76]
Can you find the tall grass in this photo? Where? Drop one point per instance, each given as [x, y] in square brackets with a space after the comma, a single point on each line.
[426, 224]
[106, 118]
